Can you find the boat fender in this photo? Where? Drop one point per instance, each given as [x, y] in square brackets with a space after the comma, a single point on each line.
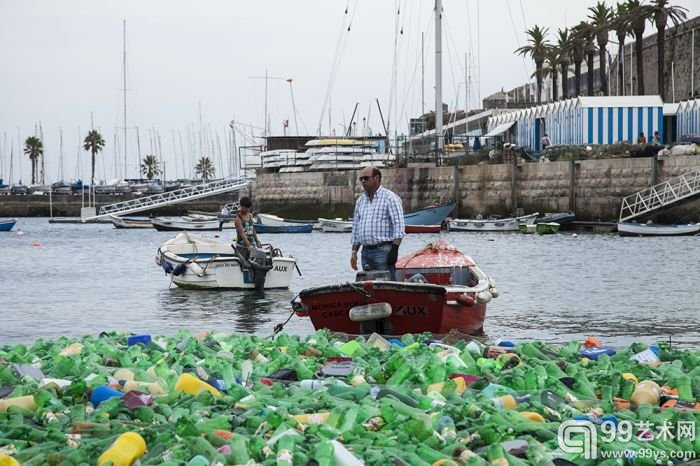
[492, 283]
[465, 300]
[484, 297]
[372, 311]
[167, 267]
[197, 269]
[494, 292]
[179, 269]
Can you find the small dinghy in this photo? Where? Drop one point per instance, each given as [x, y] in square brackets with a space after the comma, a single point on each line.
[437, 289]
[192, 261]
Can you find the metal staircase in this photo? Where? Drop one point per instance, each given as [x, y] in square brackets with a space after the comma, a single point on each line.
[168, 198]
[660, 195]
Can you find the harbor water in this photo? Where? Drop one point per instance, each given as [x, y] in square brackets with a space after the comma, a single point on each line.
[85, 279]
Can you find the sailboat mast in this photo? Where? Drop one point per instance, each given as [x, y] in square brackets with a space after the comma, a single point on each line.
[438, 76]
[422, 74]
[124, 89]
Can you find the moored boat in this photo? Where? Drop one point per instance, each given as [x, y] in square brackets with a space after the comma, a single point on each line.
[423, 228]
[548, 228]
[290, 228]
[335, 225]
[657, 229]
[429, 215]
[130, 222]
[7, 224]
[561, 218]
[492, 224]
[185, 224]
[437, 289]
[192, 261]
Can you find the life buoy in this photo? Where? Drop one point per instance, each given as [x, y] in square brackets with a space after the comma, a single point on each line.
[465, 300]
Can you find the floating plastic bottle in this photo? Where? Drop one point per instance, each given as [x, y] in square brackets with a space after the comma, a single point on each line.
[647, 392]
[128, 448]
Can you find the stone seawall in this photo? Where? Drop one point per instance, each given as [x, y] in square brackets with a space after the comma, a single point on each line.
[66, 205]
[592, 188]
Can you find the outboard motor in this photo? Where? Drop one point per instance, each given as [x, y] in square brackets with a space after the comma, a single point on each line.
[261, 262]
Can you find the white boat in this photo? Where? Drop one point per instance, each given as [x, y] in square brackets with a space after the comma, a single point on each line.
[657, 229]
[492, 224]
[186, 223]
[192, 261]
[335, 226]
[130, 222]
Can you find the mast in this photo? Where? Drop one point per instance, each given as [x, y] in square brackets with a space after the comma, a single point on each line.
[60, 155]
[422, 74]
[124, 90]
[438, 76]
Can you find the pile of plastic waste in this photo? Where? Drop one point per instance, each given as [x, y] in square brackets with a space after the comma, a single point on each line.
[231, 399]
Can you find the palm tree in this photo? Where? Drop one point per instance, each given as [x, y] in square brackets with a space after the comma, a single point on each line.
[551, 63]
[578, 50]
[621, 25]
[662, 11]
[601, 16]
[564, 45]
[34, 148]
[150, 166]
[205, 168]
[638, 16]
[94, 143]
[537, 49]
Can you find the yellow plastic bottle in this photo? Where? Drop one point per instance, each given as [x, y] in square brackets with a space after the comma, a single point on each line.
[646, 392]
[26, 402]
[128, 447]
[193, 386]
[6, 460]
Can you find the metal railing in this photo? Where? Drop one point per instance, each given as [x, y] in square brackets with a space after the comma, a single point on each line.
[660, 195]
[168, 198]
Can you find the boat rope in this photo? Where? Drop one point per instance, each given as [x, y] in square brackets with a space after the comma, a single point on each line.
[279, 327]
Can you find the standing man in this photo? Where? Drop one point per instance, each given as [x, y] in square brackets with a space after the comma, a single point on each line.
[377, 224]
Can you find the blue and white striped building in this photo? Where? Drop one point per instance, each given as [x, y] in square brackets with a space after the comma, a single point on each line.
[688, 117]
[583, 120]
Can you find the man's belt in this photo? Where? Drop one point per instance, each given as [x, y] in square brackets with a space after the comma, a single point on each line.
[375, 246]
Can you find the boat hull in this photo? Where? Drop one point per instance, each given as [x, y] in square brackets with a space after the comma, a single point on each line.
[7, 225]
[172, 224]
[416, 308]
[502, 224]
[437, 289]
[423, 228]
[548, 228]
[193, 262]
[128, 222]
[335, 226]
[433, 215]
[560, 217]
[641, 229]
[299, 228]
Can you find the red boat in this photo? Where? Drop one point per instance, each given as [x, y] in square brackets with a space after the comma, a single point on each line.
[437, 289]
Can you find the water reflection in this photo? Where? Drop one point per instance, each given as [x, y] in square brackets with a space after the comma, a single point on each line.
[239, 311]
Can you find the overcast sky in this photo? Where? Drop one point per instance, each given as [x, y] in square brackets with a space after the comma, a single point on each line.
[194, 66]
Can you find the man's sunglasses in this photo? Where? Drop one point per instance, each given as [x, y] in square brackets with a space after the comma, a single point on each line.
[365, 178]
